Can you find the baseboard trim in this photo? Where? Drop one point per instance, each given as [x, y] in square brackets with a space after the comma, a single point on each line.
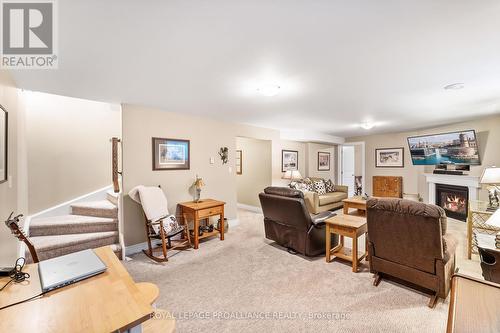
[254, 209]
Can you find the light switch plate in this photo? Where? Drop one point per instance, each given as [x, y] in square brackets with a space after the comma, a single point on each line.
[212, 160]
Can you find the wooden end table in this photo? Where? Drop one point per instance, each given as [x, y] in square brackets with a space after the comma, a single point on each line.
[201, 210]
[356, 202]
[346, 226]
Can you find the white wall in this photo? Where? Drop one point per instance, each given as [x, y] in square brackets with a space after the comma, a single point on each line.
[256, 169]
[13, 194]
[488, 135]
[69, 153]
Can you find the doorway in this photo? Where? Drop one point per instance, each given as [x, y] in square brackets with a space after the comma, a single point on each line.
[352, 167]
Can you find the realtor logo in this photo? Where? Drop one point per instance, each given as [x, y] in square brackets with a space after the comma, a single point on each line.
[28, 34]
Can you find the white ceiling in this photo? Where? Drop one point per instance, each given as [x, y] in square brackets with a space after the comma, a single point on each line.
[338, 63]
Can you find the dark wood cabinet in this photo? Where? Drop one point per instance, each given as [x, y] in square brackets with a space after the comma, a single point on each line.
[388, 186]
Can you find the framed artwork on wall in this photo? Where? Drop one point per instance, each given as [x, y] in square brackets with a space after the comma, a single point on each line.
[239, 162]
[170, 154]
[289, 160]
[3, 144]
[323, 161]
[389, 157]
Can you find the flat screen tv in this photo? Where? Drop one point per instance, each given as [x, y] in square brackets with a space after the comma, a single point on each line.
[445, 148]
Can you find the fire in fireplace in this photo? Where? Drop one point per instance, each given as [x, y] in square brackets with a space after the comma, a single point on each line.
[453, 199]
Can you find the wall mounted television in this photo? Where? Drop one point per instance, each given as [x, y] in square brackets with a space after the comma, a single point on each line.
[458, 148]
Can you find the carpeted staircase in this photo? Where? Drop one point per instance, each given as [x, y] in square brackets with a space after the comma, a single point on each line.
[91, 224]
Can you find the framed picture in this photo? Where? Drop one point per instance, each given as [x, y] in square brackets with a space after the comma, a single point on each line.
[323, 161]
[289, 160]
[170, 154]
[389, 158]
[239, 162]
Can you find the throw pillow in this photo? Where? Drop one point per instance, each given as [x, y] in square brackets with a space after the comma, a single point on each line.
[319, 187]
[330, 187]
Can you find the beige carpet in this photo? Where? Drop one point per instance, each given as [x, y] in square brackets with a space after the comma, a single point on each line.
[227, 286]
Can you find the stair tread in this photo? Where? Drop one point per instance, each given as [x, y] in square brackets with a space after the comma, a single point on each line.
[43, 243]
[69, 219]
[100, 204]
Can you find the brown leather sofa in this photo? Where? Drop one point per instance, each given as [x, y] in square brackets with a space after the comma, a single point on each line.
[408, 240]
[288, 222]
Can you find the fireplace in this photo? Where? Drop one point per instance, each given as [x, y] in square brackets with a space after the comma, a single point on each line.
[454, 200]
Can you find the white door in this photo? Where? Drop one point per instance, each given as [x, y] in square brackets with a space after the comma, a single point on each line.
[348, 168]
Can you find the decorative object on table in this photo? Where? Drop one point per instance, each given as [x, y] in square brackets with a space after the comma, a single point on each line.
[170, 154]
[198, 184]
[292, 175]
[389, 158]
[3, 144]
[358, 185]
[289, 160]
[323, 161]
[224, 154]
[491, 177]
[239, 162]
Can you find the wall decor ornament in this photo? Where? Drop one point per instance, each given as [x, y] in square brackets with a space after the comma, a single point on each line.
[170, 154]
[224, 154]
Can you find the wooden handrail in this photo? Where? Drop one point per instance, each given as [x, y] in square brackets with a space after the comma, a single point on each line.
[115, 172]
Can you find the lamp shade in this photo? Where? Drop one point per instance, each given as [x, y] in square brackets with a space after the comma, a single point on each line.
[491, 176]
[292, 175]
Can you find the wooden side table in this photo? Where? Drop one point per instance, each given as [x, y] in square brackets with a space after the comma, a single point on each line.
[349, 226]
[355, 202]
[476, 223]
[204, 209]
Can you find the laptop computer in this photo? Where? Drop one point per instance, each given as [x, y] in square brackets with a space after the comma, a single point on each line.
[64, 270]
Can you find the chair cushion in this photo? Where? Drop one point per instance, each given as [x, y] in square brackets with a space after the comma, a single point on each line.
[330, 198]
[330, 187]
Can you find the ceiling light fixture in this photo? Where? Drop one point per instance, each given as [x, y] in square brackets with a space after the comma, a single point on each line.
[455, 86]
[367, 125]
[269, 90]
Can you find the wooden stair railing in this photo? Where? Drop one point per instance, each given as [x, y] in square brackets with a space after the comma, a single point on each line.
[115, 172]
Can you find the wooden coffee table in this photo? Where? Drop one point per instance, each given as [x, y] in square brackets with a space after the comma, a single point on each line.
[346, 226]
[355, 202]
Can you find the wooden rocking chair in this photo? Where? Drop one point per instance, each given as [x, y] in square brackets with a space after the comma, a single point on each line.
[156, 216]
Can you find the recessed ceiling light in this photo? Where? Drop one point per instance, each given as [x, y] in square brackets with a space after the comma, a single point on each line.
[367, 125]
[455, 86]
[269, 90]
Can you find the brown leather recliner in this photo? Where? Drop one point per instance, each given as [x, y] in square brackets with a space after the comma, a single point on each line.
[288, 222]
[408, 240]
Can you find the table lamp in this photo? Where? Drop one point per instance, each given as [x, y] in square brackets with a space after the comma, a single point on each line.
[292, 175]
[491, 177]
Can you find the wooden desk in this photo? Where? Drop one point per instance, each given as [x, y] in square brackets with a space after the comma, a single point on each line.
[106, 302]
[355, 202]
[350, 226]
[204, 209]
[474, 306]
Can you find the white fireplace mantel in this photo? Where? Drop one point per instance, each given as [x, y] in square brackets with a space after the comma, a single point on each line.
[472, 182]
